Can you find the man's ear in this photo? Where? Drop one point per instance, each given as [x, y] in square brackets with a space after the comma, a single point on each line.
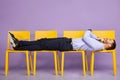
[106, 45]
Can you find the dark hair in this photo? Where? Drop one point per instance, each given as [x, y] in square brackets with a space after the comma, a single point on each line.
[113, 46]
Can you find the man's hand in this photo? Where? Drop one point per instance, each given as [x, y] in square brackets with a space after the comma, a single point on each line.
[101, 39]
[90, 30]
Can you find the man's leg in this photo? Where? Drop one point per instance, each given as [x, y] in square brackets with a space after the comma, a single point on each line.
[61, 44]
[36, 42]
[28, 43]
[13, 40]
[41, 44]
[29, 48]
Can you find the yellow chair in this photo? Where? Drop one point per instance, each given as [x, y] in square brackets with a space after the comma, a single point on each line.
[75, 34]
[46, 34]
[21, 35]
[104, 34]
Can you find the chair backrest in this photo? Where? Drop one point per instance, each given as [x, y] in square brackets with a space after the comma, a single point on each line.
[45, 34]
[20, 35]
[73, 34]
[98, 33]
[105, 33]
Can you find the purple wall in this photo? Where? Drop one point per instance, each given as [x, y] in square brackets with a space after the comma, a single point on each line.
[59, 15]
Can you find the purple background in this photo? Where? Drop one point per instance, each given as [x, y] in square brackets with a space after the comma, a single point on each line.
[58, 15]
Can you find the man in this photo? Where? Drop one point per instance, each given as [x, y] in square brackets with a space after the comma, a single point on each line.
[88, 42]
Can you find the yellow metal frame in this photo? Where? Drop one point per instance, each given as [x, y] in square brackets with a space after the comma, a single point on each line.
[47, 34]
[21, 35]
[75, 34]
[104, 34]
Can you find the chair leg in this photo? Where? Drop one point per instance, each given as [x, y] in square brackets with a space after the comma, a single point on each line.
[58, 62]
[55, 63]
[83, 63]
[62, 63]
[7, 63]
[114, 63]
[92, 64]
[86, 61]
[27, 62]
[31, 62]
[35, 54]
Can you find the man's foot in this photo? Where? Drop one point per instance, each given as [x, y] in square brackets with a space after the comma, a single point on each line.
[13, 36]
[13, 40]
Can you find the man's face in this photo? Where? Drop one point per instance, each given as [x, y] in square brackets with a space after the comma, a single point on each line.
[108, 41]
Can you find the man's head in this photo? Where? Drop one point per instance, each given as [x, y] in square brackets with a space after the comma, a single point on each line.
[109, 43]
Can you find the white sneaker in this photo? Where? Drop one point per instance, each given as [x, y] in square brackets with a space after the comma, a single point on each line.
[11, 40]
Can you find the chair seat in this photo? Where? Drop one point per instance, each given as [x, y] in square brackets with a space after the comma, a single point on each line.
[46, 50]
[105, 51]
[74, 51]
[11, 50]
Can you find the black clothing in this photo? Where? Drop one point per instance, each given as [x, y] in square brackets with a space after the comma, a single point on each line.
[61, 44]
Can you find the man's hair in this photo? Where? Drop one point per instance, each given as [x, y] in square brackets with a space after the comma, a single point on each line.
[113, 46]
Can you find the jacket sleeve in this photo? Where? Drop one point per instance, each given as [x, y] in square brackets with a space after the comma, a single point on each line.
[91, 40]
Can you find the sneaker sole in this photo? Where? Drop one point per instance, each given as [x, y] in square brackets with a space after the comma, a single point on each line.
[11, 40]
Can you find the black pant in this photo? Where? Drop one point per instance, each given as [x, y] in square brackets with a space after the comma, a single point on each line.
[61, 44]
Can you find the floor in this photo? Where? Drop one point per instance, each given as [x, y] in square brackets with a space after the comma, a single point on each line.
[70, 74]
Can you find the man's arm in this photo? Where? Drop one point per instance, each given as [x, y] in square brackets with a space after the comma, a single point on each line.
[91, 40]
